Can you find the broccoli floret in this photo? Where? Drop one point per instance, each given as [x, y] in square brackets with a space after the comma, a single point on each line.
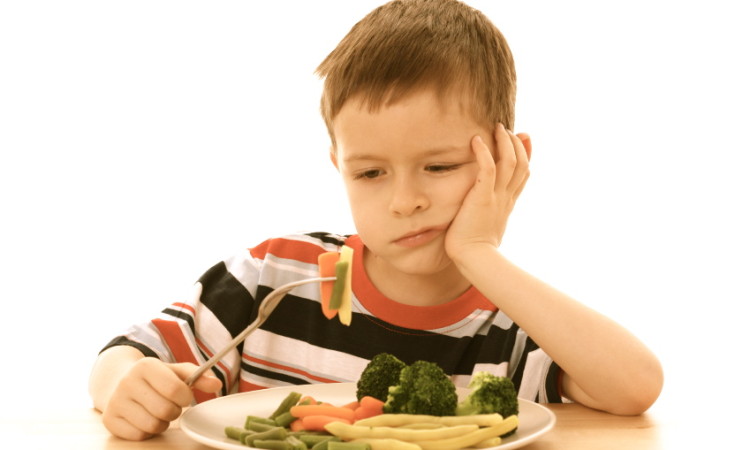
[423, 388]
[381, 373]
[489, 394]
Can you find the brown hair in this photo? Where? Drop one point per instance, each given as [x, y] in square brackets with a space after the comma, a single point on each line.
[407, 45]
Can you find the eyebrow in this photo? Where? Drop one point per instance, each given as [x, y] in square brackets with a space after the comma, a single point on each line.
[435, 151]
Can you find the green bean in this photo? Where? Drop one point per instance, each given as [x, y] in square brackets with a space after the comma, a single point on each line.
[233, 432]
[286, 404]
[239, 434]
[283, 420]
[262, 420]
[296, 443]
[323, 445]
[337, 292]
[348, 446]
[272, 444]
[259, 426]
[310, 433]
[278, 433]
[311, 439]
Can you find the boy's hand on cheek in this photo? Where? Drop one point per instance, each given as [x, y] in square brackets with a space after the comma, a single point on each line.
[480, 222]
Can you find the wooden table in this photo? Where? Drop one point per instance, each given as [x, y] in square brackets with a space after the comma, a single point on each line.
[577, 428]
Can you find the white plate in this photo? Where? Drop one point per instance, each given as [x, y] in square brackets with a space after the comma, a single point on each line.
[206, 421]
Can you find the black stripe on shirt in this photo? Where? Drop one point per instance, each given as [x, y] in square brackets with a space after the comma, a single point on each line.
[255, 370]
[122, 340]
[328, 238]
[227, 299]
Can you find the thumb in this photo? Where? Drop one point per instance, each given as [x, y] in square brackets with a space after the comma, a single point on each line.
[207, 382]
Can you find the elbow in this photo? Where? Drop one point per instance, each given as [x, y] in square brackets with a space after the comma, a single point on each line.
[641, 393]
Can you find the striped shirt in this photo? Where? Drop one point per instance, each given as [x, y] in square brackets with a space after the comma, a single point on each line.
[299, 345]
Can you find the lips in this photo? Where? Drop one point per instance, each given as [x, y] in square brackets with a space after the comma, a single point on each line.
[419, 237]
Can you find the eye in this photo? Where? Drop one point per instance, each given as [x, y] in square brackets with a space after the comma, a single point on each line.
[437, 168]
[368, 174]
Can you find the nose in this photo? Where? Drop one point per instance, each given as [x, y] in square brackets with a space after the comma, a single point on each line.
[407, 197]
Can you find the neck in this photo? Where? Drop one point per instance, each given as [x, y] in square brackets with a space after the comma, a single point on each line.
[414, 288]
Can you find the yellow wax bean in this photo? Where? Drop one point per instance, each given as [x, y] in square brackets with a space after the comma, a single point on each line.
[470, 439]
[388, 444]
[348, 432]
[399, 420]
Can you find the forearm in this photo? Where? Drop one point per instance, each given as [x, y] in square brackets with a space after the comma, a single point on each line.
[606, 366]
[109, 368]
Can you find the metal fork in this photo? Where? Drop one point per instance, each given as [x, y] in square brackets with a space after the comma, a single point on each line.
[264, 310]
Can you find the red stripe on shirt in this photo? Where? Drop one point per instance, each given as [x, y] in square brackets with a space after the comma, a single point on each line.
[288, 369]
[301, 251]
[172, 334]
[184, 306]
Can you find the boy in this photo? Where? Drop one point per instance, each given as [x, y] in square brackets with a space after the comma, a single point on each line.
[418, 101]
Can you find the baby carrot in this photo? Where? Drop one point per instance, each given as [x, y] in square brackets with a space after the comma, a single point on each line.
[322, 410]
[317, 422]
[327, 266]
[297, 425]
[368, 407]
[352, 405]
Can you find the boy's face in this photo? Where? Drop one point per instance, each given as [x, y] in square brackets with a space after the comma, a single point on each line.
[407, 168]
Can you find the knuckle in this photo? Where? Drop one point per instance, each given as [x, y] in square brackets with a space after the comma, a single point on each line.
[167, 411]
[152, 425]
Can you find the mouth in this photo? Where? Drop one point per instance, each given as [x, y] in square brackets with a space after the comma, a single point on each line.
[420, 237]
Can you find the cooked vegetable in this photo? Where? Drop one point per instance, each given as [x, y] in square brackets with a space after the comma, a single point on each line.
[348, 432]
[319, 422]
[381, 372]
[422, 388]
[490, 394]
[387, 444]
[290, 400]
[337, 295]
[402, 420]
[327, 268]
[345, 310]
[301, 411]
[469, 439]
[368, 407]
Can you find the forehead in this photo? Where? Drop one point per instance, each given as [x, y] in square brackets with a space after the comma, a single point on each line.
[422, 120]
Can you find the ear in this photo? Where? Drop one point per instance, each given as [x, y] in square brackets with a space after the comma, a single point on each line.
[334, 158]
[526, 140]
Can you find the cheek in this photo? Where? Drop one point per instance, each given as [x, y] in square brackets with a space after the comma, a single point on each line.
[454, 192]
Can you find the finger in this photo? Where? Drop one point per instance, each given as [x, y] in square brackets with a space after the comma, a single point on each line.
[167, 383]
[485, 181]
[526, 140]
[138, 417]
[521, 172]
[132, 421]
[207, 382]
[147, 390]
[506, 164]
[121, 428]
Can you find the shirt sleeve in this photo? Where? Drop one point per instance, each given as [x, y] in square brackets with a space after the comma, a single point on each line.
[194, 329]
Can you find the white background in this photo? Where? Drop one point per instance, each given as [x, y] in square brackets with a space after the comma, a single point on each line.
[143, 141]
